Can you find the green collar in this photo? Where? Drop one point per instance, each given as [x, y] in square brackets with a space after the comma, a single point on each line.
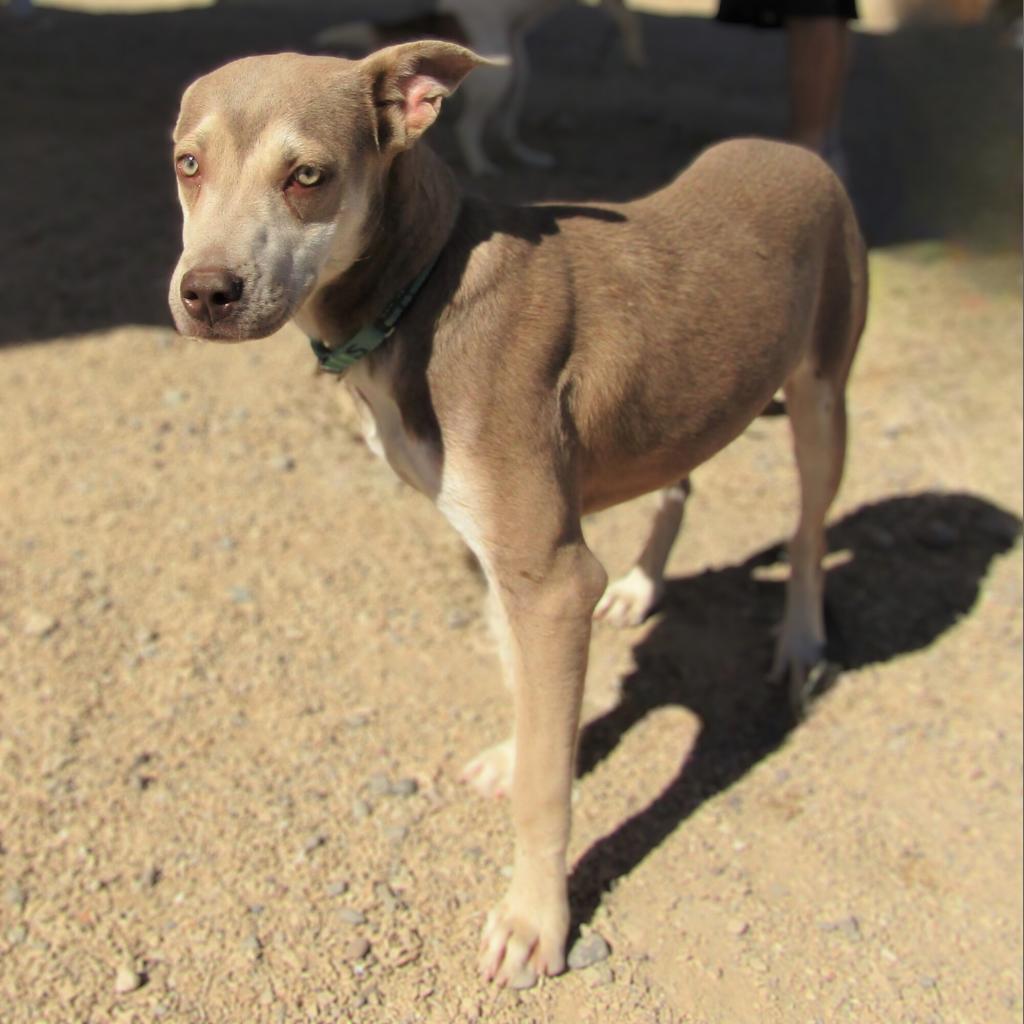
[338, 360]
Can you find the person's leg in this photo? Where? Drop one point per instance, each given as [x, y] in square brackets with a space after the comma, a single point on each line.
[817, 62]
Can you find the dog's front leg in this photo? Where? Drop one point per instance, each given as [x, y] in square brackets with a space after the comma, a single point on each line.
[547, 597]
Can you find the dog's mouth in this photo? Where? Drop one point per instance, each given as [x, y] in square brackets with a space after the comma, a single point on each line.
[227, 333]
[220, 306]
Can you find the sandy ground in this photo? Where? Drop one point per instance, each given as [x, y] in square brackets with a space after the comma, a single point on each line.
[240, 665]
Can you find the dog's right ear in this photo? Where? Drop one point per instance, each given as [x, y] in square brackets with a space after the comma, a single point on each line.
[409, 81]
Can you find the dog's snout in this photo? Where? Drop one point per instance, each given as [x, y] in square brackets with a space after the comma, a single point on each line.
[211, 295]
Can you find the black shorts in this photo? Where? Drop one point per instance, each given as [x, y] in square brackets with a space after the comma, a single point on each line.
[773, 13]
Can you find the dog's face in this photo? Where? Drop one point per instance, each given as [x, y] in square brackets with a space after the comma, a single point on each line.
[279, 162]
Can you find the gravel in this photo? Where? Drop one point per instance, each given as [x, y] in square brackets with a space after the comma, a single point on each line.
[127, 980]
[588, 950]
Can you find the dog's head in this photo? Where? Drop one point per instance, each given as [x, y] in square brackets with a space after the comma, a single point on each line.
[279, 160]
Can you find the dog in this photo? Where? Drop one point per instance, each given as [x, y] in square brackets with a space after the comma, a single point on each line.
[524, 366]
[497, 28]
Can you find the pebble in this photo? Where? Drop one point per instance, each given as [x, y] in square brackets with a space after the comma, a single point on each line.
[937, 535]
[356, 948]
[149, 877]
[361, 810]
[338, 888]
[15, 896]
[589, 950]
[378, 784]
[602, 975]
[405, 787]
[314, 842]
[39, 624]
[847, 926]
[352, 916]
[241, 595]
[738, 928]
[284, 463]
[395, 833]
[252, 947]
[386, 897]
[127, 980]
[457, 619]
[523, 980]
[17, 935]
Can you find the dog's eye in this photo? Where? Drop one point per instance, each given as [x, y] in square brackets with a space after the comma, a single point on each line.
[188, 165]
[307, 176]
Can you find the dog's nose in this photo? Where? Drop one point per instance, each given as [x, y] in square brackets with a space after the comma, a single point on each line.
[210, 295]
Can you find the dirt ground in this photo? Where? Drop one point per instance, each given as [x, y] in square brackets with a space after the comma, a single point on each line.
[241, 666]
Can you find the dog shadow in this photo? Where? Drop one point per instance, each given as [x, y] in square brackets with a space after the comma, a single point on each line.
[910, 568]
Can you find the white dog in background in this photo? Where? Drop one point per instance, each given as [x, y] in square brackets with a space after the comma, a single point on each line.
[496, 29]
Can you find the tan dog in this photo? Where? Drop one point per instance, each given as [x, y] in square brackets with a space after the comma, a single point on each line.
[547, 361]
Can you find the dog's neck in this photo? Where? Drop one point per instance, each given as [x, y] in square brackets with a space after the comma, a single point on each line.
[409, 224]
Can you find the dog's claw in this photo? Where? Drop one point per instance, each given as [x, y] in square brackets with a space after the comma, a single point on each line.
[629, 600]
[516, 952]
[490, 772]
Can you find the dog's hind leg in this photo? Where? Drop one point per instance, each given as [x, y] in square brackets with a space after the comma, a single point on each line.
[817, 412]
[630, 599]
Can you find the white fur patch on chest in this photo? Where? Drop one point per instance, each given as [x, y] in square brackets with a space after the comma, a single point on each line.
[416, 462]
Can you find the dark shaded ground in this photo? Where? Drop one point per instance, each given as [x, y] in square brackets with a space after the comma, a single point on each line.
[914, 569]
[89, 219]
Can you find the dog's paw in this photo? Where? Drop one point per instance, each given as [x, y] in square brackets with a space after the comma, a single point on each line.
[801, 663]
[519, 945]
[490, 772]
[628, 601]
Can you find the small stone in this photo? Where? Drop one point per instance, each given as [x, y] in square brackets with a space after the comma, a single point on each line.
[240, 595]
[589, 950]
[386, 897]
[457, 619]
[927, 981]
[15, 896]
[405, 787]
[602, 974]
[39, 624]
[356, 948]
[352, 916]
[847, 926]
[378, 784]
[395, 833]
[252, 947]
[314, 842]
[338, 888]
[738, 928]
[17, 935]
[937, 535]
[149, 877]
[879, 536]
[361, 810]
[173, 397]
[127, 980]
[283, 463]
[525, 978]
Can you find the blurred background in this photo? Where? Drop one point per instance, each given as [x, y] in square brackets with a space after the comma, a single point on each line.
[930, 128]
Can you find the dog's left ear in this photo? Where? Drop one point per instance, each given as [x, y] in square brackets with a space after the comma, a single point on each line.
[409, 81]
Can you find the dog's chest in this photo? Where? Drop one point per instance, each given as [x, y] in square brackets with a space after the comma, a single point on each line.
[415, 461]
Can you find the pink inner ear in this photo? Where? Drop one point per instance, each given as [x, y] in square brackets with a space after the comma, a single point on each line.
[423, 96]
